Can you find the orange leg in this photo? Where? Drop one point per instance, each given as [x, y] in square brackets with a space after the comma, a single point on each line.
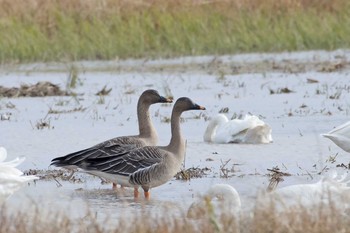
[136, 192]
[147, 195]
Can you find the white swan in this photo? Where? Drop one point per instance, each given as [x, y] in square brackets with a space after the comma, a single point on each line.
[219, 199]
[11, 179]
[340, 136]
[329, 190]
[248, 130]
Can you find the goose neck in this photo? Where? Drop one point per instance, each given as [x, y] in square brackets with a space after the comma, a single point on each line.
[177, 143]
[146, 127]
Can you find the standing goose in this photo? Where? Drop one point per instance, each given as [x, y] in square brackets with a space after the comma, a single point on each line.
[147, 136]
[150, 166]
[340, 136]
[248, 130]
[11, 179]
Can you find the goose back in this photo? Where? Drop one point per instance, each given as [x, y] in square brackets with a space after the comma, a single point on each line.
[120, 145]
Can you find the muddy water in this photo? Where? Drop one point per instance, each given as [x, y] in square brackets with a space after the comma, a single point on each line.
[297, 120]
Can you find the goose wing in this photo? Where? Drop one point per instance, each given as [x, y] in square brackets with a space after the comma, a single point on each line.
[114, 147]
[130, 162]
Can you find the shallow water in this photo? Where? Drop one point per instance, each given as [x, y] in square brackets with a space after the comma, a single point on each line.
[297, 120]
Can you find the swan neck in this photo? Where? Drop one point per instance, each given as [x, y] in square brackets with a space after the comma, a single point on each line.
[210, 132]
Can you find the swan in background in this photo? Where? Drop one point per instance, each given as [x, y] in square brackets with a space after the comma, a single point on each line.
[329, 190]
[224, 199]
[340, 136]
[11, 179]
[219, 199]
[250, 130]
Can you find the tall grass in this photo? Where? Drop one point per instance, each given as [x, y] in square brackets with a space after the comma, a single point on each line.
[316, 220]
[52, 30]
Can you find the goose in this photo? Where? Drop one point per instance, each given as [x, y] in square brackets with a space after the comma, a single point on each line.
[340, 136]
[149, 166]
[250, 130]
[147, 136]
[11, 179]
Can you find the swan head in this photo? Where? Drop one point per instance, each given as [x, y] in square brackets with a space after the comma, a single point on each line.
[185, 104]
[151, 96]
[219, 199]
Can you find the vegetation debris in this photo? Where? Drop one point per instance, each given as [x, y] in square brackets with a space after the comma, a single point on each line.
[193, 172]
[55, 174]
[275, 177]
[284, 90]
[104, 91]
[40, 89]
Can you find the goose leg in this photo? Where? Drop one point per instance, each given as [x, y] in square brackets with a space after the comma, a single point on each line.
[146, 193]
[136, 192]
[114, 186]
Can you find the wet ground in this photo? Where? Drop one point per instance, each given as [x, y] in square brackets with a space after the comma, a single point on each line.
[301, 95]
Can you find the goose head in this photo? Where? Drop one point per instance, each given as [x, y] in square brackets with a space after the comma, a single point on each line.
[152, 97]
[185, 104]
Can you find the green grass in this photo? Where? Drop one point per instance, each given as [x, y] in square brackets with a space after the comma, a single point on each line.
[76, 30]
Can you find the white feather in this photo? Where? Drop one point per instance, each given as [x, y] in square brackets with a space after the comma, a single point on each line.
[11, 178]
[250, 129]
[224, 199]
[340, 136]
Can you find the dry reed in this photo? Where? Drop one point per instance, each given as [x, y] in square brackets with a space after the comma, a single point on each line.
[268, 219]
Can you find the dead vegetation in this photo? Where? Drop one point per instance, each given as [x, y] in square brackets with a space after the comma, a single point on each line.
[37, 90]
[275, 177]
[226, 172]
[284, 90]
[342, 165]
[42, 124]
[261, 220]
[193, 172]
[78, 109]
[104, 91]
[55, 174]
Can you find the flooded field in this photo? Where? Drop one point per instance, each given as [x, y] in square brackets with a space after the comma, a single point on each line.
[300, 95]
